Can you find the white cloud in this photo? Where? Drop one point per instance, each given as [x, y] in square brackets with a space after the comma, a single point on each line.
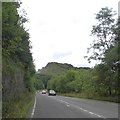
[58, 55]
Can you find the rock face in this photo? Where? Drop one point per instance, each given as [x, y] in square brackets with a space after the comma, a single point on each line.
[12, 80]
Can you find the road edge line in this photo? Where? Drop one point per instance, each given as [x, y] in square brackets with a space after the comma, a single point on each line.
[33, 111]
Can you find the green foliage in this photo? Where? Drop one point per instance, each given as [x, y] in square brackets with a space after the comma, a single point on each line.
[105, 48]
[41, 81]
[103, 33]
[18, 68]
[68, 80]
[18, 108]
[39, 84]
[29, 79]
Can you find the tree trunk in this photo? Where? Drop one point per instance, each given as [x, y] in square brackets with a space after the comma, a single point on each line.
[110, 92]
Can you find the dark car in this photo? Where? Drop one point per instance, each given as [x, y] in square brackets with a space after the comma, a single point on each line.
[52, 92]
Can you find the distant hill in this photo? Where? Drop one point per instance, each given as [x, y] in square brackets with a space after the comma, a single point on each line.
[54, 67]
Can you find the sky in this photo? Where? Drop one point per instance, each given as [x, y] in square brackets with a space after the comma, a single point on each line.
[60, 29]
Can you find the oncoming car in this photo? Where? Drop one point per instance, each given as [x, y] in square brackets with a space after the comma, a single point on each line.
[43, 91]
[52, 92]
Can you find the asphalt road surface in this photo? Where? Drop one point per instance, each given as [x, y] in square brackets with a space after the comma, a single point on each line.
[67, 107]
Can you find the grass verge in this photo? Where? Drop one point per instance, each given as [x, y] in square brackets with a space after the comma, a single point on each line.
[95, 97]
[18, 108]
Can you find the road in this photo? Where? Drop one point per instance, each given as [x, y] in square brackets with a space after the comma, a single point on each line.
[67, 107]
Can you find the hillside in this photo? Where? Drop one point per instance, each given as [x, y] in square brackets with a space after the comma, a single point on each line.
[18, 70]
[54, 67]
[53, 70]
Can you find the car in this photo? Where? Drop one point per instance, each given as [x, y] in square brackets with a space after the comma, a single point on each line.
[43, 91]
[51, 92]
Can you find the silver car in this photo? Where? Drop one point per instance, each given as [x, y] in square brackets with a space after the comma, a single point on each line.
[52, 92]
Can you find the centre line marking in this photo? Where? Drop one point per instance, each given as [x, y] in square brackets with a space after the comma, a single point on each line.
[68, 104]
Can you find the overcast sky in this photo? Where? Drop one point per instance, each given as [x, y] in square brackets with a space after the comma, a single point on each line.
[60, 29]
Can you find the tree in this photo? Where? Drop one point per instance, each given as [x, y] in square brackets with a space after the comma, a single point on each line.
[105, 48]
[103, 34]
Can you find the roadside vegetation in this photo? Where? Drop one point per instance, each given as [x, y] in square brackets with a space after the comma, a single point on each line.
[100, 82]
[19, 78]
[18, 71]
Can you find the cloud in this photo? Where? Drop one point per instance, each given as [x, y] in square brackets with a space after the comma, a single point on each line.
[59, 55]
[76, 20]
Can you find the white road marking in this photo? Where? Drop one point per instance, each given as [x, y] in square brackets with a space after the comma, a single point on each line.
[33, 111]
[87, 111]
[64, 102]
[68, 104]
